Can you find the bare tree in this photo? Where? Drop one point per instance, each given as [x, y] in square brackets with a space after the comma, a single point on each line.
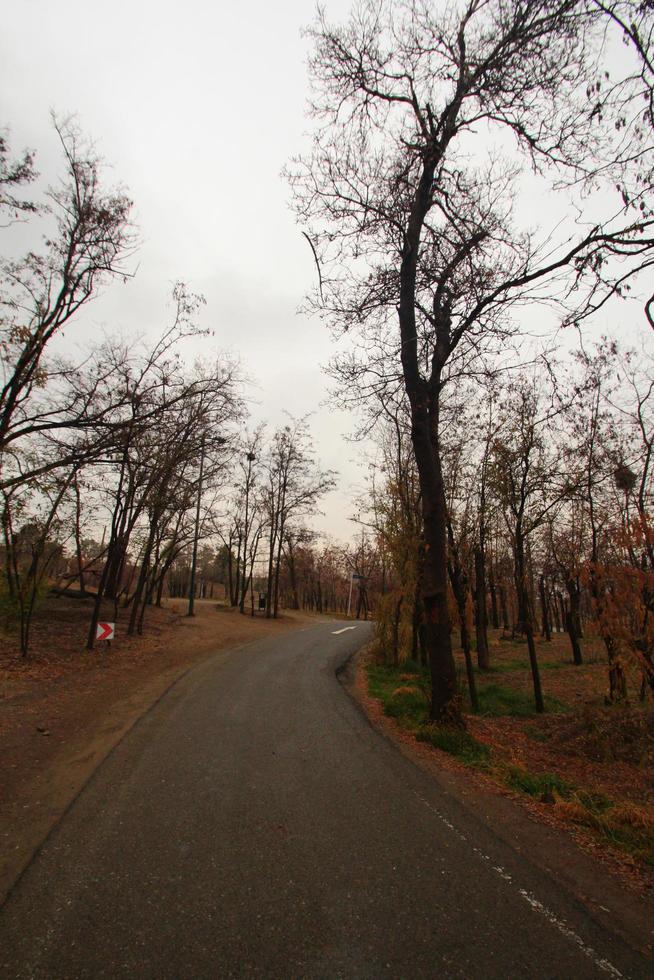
[40, 293]
[530, 482]
[295, 484]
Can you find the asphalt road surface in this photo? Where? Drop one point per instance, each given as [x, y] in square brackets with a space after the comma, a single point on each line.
[253, 824]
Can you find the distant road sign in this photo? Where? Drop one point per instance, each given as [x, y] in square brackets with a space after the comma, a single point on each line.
[357, 577]
[105, 631]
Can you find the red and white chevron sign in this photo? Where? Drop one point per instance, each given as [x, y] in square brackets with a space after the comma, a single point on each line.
[105, 631]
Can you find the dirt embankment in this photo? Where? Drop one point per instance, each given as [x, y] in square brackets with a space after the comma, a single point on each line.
[64, 709]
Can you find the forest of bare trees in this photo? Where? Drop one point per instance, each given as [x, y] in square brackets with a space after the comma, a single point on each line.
[125, 472]
[548, 487]
[478, 199]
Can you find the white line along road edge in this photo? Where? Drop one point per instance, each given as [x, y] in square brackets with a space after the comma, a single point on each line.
[344, 630]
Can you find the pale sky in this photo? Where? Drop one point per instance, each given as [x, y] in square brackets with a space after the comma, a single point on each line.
[197, 107]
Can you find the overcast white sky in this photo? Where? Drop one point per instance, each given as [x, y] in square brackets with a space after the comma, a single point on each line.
[197, 106]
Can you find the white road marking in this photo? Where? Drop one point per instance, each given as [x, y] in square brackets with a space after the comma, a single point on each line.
[531, 900]
[344, 630]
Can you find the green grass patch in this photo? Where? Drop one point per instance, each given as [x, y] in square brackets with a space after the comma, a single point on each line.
[595, 803]
[536, 784]
[458, 743]
[496, 700]
[403, 692]
[623, 826]
[626, 827]
[635, 840]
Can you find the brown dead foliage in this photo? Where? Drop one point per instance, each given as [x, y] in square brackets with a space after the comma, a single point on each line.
[605, 748]
[597, 748]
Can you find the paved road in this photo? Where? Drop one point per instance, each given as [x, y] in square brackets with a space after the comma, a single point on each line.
[254, 825]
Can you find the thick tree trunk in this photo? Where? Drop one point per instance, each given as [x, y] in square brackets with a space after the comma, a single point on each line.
[444, 705]
[271, 561]
[230, 573]
[237, 578]
[290, 561]
[278, 562]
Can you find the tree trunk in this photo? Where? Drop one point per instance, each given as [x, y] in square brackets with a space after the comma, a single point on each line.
[547, 630]
[483, 658]
[505, 610]
[617, 679]
[78, 537]
[525, 614]
[142, 579]
[444, 704]
[230, 572]
[271, 560]
[290, 561]
[562, 610]
[572, 620]
[397, 615]
[556, 613]
[424, 395]
[493, 594]
[533, 663]
[237, 580]
[278, 562]
[460, 590]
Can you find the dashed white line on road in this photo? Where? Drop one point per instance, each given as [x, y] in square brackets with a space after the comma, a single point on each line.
[344, 630]
[531, 900]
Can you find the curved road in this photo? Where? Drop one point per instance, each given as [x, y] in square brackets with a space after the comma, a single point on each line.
[253, 824]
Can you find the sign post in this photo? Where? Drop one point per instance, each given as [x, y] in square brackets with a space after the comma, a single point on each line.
[105, 631]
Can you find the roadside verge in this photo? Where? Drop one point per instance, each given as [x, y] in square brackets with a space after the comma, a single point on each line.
[575, 862]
